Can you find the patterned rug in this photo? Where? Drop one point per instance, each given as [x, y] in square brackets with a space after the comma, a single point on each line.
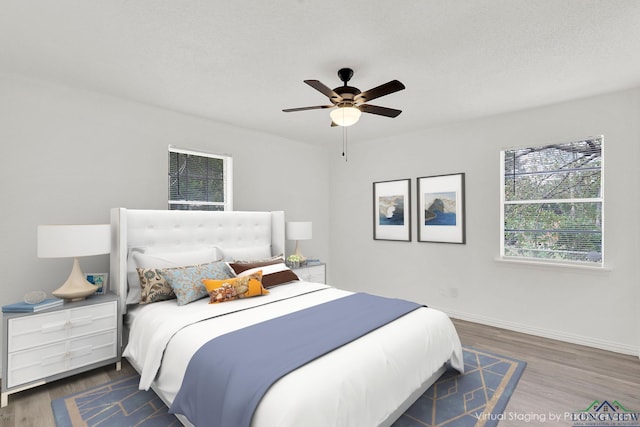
[118, 403]
[475, 398]
[454, 400]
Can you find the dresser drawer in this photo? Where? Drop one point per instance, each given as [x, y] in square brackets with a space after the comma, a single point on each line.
[46, 328]
[44, 361]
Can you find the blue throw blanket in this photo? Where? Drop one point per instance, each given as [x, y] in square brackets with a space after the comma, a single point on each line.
[227, 377]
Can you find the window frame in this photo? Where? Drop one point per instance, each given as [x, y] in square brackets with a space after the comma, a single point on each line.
[227, 205]
[598, 265]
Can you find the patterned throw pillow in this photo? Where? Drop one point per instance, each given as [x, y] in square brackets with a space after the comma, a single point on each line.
[162, 257]
[235, 288]
[186, 282]
[154, 286]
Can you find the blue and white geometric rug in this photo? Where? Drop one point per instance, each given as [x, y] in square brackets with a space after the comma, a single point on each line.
[114, 404]
[475, 398]
[454, 400]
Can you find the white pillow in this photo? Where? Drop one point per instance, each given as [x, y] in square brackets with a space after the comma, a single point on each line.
[149, 258]
[133, 281]
[174, 259]
[247, 254]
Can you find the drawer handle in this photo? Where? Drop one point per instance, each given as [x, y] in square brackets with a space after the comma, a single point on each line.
[79, 321]
[53, 327]
[54, 358]
[67, 324]
[67, 355]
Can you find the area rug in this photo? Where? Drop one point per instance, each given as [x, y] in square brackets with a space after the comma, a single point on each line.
[475, 398]
[117, 403]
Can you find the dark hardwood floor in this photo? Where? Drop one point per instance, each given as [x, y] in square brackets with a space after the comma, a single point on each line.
[560, 379]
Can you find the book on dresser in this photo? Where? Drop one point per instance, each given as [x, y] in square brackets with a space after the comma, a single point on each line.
[25, 307]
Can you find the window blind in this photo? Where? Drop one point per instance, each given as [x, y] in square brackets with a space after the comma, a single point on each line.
[553, 203]
[199, 181]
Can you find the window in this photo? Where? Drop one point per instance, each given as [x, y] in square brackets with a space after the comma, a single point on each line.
[199, 181]
[552, 202]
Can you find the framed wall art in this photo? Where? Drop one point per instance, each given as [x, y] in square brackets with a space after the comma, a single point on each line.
[441, 209]
[392, 210]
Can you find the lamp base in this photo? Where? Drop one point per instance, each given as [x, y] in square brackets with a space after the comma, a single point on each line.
[297, 252]
[76, 287]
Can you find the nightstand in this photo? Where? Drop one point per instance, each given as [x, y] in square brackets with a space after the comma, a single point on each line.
[59, 342]
[315, 272]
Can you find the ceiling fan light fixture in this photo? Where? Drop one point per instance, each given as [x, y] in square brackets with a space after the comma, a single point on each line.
[345, 116]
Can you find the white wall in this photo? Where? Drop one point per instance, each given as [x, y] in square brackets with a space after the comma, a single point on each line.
[68, 156]
[595, 308]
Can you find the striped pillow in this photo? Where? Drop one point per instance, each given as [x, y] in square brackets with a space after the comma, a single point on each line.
[274, 271]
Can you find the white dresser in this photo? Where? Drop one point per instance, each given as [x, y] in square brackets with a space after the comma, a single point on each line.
[315, 272]
[56, 343]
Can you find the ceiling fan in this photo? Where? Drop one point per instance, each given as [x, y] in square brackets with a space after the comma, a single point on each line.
[350, 101]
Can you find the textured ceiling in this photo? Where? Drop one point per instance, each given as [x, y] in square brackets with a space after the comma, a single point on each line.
[242, 62]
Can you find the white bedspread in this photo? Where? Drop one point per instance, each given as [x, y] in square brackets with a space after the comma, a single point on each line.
[359, 384]
[154, 325]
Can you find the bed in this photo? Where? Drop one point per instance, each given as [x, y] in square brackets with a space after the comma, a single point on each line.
[368, 381]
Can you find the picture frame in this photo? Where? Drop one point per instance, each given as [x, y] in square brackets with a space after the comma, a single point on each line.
[441, 214]
[99, 279]
[392, 210]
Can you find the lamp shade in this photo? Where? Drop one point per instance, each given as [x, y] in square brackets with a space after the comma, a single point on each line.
[299, 230]
[345, 116]
[67, 241]
[73, 241]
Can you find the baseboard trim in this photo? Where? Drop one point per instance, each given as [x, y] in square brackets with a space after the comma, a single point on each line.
[545, 333]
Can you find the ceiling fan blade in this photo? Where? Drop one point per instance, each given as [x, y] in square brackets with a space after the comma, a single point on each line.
[317, 107]
[381, 111]
[317, 85]
[333, 124]
[377, 92]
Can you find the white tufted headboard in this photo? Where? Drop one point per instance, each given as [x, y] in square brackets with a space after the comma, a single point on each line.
[187, 229]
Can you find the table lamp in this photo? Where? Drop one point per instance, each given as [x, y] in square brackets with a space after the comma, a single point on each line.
[299, 230]
[73, 241]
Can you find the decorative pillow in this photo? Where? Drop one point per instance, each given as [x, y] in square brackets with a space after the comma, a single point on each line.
[235, 288]
[274, 271]
[186, 282]
[246, 254]
[154, 287]
[154, 258]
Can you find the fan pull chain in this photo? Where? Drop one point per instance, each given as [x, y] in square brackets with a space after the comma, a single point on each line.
[344, 143]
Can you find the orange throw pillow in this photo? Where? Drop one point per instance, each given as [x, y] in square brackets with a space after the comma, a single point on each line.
[235, 288]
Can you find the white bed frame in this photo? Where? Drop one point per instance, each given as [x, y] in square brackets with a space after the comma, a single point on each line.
[186, 230]
[194, 229]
